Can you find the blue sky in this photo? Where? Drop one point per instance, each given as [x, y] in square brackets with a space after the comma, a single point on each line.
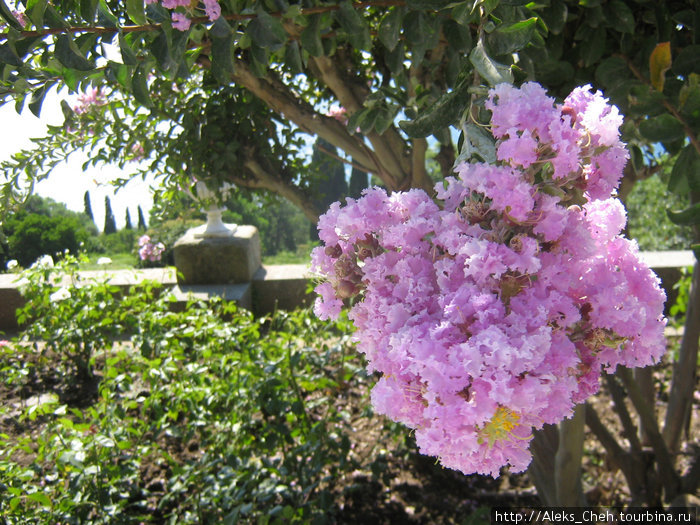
[68, 183]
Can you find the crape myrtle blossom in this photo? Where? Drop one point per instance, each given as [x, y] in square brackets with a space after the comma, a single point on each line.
[182, 19]
[150, 251]
[495, 311]
[93, 97]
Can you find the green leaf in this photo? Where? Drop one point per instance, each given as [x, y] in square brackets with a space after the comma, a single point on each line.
[685, 174]
[40, 498]
[687, 217]
[311, 37]
[366, 124]
[385, 119]
[222, 50]
[38, 99]
[105, 16]
[390, 28]
[421, 32]
[88, 9]
[354, 26]
[35, 10]
[128, 56]
[555, 16]
[663, 128]
[53, 19]
[9, 56]
[160, 49]
[119, 73]
[267, 31]
[157, 13]
[72, 77]
[493, 72]
[612, 71]
[477, 144]
[687, 61]
[6, 13]
[356, 119]
[292, 57]
[458, 36]
[70, 56]
[508, 38]
[464, 14]
[620, 16]
[395, 59]
[594, 47]
[136, 11]
[139, 86]
[443, 112]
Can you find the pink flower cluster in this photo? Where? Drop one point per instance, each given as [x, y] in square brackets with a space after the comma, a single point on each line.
[150, 251]
[494, 311]
[93, 97]
[181, 20]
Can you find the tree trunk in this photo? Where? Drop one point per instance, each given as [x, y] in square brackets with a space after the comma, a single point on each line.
[556, 461]
[684, 370]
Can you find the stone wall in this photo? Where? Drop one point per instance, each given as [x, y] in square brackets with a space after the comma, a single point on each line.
[272, 287]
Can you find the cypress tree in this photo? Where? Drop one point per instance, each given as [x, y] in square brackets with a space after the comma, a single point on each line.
[329, 182]
[359, 180]
[127, 221]
[88, 206]
[110, 223]
[142, 221]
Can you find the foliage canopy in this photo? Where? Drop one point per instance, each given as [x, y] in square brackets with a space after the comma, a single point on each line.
[234, 99]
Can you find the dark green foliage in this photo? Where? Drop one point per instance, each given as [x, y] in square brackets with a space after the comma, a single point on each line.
[142, 220]
[257, 402]
[281, 225]
[359, 180]
[328, 174]
[127, 221]
[647, 221]
[36, 235]
[110, 222]
[88, 206]
[44, 227]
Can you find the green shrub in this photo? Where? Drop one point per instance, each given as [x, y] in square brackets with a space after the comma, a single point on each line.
[35, 235]
[239, 416]
[648, 222]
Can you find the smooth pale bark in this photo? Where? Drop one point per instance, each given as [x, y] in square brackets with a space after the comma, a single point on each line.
[556, 461]
[680, 400]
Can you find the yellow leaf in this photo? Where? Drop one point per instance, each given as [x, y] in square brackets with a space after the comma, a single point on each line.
[659, 63]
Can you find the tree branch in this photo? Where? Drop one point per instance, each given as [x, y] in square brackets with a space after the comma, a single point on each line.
[263, 179]
[281, 100]
[389, 146]
[628, 428]
[631, 465]
[100, 30]
[668, 475]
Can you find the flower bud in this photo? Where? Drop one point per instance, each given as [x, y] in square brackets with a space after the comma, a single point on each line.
[333, 251]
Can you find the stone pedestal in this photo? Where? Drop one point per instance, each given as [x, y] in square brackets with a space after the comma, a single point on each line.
[218, 260]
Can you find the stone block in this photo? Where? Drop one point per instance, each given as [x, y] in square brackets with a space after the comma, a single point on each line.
[239, 293]
[218, 260]
[10, 301]
[281, 287]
